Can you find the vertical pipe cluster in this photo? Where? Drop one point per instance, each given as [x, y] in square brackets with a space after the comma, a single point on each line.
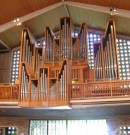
[37, 62]
[74, 49]
[24, 85]
[56, 50]
[98, 62]
[27, 49]
[110, 61]
[49, 45]
[82, 41]
[52, 91]
[65, 34]
[62, 84]
[34, 91]
[105, 55]
[43, 84]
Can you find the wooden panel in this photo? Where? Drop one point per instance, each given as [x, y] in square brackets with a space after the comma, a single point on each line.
[101, 89]
[123, 4]
[9, 93]
[15, 8]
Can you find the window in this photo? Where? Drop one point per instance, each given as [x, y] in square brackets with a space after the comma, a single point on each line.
[92, 38]
[68, 127]
[10, 131]
[124, 130]
[15, 65]
[123, 46]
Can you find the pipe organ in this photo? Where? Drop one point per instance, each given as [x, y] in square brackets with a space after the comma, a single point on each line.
[105, 55]
[47, 72]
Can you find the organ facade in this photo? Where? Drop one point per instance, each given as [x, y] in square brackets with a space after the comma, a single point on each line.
[57, 73]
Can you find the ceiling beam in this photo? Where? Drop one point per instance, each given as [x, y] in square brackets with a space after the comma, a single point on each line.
[120, 12]
[66, 10]
[65, 7]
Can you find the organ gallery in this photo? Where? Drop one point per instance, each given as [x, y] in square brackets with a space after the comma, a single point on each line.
[52, 74]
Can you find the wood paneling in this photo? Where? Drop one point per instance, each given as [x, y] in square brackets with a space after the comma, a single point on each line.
[17, 8]
[122, 4]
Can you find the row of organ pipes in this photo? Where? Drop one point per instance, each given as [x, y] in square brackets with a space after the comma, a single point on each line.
[65, 38]
[58, 49]
[38, 60]
[24, 85]
[98, 62]
[43, 84]
[105, 55]
[34, 91]
[49, 44]
[62, 81]
[82, 41]
[27, 49]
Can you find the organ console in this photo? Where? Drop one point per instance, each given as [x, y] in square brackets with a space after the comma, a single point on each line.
[47, 72]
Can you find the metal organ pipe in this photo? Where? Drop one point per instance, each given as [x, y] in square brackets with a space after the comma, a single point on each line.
[65, 82]
[111, 56]
[24, 85]
[46, 45]
[100, 63]
[43, 85]
[24, 45]
[34, 94]
[114, 51]
[95, 63]
[65, 43]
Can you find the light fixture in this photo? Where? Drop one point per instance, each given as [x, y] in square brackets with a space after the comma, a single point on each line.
[112, 10]
[17, 21]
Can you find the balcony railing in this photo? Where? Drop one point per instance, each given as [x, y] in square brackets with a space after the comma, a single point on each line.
[100, 89]
[9, 93]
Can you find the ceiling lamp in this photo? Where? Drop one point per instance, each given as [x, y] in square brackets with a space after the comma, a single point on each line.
[17, 21]
[112, 10]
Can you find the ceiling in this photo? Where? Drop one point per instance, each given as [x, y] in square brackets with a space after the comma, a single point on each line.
[38, 14]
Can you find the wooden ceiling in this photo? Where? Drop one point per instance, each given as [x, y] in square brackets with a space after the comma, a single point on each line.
[10, 9]
[122, 4]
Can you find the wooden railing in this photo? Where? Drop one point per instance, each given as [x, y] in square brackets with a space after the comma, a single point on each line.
[9, 93]
[102, 89]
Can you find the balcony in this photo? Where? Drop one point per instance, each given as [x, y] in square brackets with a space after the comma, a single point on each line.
[89, 93]
[9, 95]
[101, 93]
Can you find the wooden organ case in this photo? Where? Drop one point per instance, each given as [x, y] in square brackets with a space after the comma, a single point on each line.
[46, 72]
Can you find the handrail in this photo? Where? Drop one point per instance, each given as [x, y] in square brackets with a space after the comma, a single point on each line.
[9, 92]
[96, 89]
